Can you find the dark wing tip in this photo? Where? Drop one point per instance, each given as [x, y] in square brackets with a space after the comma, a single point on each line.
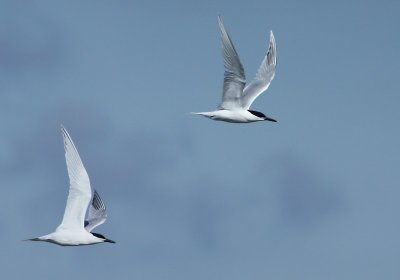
[97, 201]
[272, 57]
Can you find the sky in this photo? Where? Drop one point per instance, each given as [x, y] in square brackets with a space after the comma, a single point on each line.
[313, 196]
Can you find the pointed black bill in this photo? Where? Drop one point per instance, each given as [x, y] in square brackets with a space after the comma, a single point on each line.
[261, 115]
[269, 119]
[98, 235]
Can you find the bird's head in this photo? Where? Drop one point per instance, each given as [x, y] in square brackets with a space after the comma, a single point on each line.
[98, 235]
[261, 116]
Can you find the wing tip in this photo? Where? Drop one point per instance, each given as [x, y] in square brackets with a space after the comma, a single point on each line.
[66, 136]
[272, 38]
[63, 129]
[97, 201]
[272, 48]
[220, 23]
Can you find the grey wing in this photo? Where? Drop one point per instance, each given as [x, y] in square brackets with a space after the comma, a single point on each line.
[264, 76]
[234, 77]
[96, 214]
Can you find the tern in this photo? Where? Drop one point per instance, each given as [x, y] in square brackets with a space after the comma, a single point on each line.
[74, 230]
[237, 98]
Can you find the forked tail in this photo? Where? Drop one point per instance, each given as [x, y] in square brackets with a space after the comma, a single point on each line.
[205, 114]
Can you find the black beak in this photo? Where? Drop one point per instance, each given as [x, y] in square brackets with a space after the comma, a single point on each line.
[109, 240]
[269, 119]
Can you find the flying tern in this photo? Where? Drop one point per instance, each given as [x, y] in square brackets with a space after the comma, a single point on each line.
[74, 229]
[237, 96]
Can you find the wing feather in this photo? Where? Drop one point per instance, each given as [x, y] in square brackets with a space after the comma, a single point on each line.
[234, 77]
[97, 213]
[79, 189]
[264, 76]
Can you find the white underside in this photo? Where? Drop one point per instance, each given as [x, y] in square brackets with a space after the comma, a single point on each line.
[71, 238]
[233, 116]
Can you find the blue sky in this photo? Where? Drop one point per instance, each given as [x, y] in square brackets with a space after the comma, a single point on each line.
[314, 196]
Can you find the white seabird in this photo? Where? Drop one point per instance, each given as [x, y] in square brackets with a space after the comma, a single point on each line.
[74, 230]
[237, 98]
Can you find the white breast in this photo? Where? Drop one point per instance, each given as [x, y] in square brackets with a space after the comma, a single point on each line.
[235, 116]
[66, 237]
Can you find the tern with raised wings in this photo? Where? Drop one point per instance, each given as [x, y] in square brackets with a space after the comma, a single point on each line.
[74, 229]
[237, 96]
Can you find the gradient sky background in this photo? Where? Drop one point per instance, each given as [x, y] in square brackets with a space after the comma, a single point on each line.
[314, 196]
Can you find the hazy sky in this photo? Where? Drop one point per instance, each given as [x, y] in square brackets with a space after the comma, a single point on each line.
[314, 196]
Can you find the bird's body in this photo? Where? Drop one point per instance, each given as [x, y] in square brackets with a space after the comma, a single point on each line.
[237, 96]
[74, 230]
[234, 115]
[66, 237]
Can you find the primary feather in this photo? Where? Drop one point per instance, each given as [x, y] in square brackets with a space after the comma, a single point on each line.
[264, 76]
[234, 77]
[96, 213]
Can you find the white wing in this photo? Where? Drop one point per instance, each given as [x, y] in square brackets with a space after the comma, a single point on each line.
[97, 213]
[264, 76]
[79, 189]
[234, 77]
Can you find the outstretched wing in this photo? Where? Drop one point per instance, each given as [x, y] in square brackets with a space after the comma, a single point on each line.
[234, 77]
[264, 76]
[96, 214]
[79, 189]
